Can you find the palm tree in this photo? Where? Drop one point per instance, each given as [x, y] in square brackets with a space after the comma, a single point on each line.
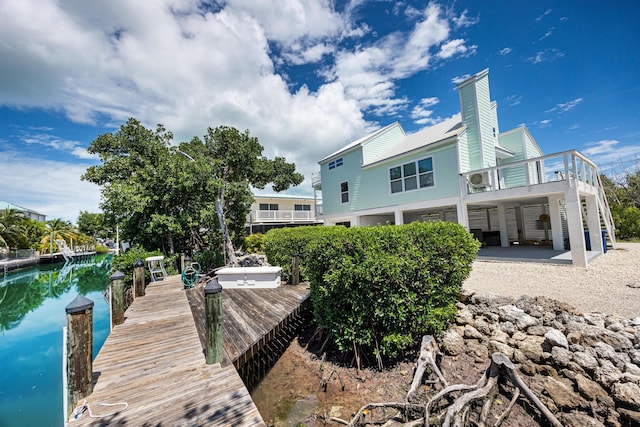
[12, 231]
[58, 229]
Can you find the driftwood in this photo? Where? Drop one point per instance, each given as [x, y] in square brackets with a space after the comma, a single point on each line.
[460, 412]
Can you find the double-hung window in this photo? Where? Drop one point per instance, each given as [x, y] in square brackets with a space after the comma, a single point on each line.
[411, 176]
[344, 192]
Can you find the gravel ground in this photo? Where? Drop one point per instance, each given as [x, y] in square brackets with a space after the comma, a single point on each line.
[610, 285]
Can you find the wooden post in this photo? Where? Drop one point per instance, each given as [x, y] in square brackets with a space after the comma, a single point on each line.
[79, 351]
[138, 278]
[213, 316]
[295, 269]
[117, 298]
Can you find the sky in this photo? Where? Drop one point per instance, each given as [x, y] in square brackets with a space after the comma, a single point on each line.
[304, 76]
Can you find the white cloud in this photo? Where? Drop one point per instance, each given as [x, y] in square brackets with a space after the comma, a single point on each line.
[514, 100]
[564, 107]
[189, 65]
[545, 13]
[612, 158]
[546, 55]
[460, 79]
[49, 187]
[544, 123]
[505, 51]
[422, 114]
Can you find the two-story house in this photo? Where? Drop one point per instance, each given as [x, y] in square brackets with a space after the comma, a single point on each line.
[498, 185]
[28, 213]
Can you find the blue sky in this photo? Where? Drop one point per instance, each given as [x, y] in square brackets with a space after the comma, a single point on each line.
[306, 77]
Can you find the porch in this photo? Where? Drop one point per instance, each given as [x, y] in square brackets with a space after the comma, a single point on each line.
[522, 253]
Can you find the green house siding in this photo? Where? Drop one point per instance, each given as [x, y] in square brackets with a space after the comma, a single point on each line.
[376, 146]
[377, 192]
[463, 151]
[350, 172]
[470, 119]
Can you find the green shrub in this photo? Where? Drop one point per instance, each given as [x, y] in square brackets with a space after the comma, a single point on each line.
[381, 288]
[100, 249]
[209, 260]
[280, 244]
[254, 243]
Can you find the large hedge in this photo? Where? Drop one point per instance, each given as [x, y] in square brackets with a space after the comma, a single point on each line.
[280, 244]
[381, 288]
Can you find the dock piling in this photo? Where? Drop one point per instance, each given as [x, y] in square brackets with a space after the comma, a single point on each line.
[79, 351]
[138, 278]
[117, 298]
[295, 269]
[213, 316]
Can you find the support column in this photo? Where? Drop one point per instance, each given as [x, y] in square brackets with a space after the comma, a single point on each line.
[593, 224]
[502, 223]
[463, 214]
[574, 224]
[79, 343]
[398, 216]
[556, 223]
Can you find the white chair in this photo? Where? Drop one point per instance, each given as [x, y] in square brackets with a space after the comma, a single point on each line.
[156, 268]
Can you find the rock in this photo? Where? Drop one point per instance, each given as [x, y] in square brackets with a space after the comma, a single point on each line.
[465, 295]
[632, 418]
[478, 351]
[632, 368]
[595, 319]
[511, 313]
[616, 327]
[453, 343]
[635, 356]
[519, 336]
[607, 374]
[483, 326]
[561, 356]
[500, 347]
[491, 300]
[577, 419]
[635, 321]
[519, 356]
[538, 330]
[557, 338]
[628, 394]
[471, 332]
[605, 351]
[499, 336]
[630, 378]
[464, 317]
[588, 388]
[585, 360]
[531, 347]
[590, 335]
[576, 347]
[508, 328]
[561, 391]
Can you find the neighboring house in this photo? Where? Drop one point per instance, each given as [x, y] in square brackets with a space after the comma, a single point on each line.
[498, 185]
[277, 211]
[26, 212]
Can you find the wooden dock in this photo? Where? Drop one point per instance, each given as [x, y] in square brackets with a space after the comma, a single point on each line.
[155, 361]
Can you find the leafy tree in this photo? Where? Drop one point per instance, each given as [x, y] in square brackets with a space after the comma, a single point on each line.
[623, 194]
[92, 224]
[165, 197]
[35, 231]
[12, 231]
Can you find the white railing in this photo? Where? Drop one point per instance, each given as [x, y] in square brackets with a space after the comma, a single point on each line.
[568, 166]
[316, 179]
[281, 216]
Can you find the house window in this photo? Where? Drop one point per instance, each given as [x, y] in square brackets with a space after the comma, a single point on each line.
[411, 176]
[344, 192]
[335, 163]
[302, 207]
[268, 206]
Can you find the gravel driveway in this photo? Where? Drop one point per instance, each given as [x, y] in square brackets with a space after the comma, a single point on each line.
[611, 283]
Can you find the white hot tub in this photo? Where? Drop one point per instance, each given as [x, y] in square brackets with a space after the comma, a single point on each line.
[249, 277]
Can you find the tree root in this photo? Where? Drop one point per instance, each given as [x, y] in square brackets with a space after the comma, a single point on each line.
[463, 411]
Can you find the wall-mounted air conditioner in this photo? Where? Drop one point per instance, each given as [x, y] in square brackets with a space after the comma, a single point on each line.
[479, 180]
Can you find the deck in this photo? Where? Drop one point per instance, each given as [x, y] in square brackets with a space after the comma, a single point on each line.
[155, 361]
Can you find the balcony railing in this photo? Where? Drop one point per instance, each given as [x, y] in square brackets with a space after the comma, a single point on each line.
[568, 166]
[281, 216]
[316, 180]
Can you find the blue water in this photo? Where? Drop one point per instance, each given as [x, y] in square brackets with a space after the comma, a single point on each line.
[32, 315]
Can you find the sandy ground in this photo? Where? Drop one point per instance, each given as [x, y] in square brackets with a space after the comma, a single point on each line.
[611, 283]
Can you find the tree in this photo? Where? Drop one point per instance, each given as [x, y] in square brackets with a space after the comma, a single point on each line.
[92, 224]
[623, 193]
[165, 200]
[12, 231]
[57, 229]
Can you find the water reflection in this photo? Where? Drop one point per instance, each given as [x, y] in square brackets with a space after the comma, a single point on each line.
[32, 314]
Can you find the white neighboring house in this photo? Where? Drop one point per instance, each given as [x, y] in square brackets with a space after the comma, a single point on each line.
[276, 211]
[28, 213]
[498, 185]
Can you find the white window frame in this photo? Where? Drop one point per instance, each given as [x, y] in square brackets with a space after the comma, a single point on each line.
[344, 192]
[413, 178]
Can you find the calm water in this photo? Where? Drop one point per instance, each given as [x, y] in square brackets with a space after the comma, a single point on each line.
[32, 315]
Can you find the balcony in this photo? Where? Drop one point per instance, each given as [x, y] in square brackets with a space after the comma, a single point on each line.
[316, 181]
[259, 216]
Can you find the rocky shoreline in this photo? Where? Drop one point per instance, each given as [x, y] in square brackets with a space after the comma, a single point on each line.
[583, 367]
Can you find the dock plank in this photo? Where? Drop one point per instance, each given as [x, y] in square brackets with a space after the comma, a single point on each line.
[154, 362]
